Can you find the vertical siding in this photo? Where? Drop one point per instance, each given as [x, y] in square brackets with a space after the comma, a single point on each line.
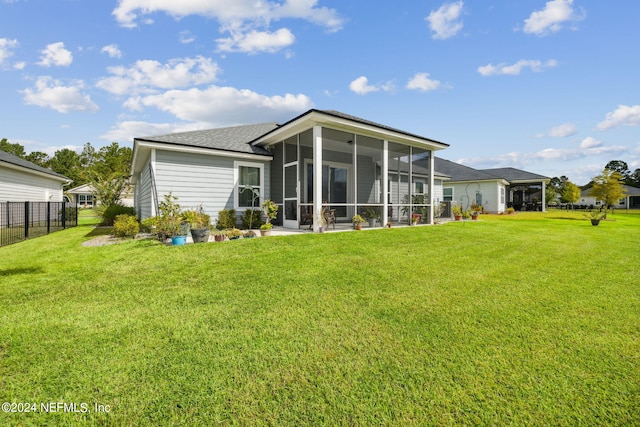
[143, 197]
[16, 185]
[198, 179]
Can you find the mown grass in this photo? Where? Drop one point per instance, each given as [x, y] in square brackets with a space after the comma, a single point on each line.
[530, 319]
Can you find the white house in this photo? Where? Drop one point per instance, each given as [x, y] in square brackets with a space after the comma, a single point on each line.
[320, 159]
[83, 196]
[631, 199]
[21, 180]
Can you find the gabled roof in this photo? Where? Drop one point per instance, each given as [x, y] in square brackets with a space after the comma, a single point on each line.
[628, 191]
[459, 172]
[515, 175]
[21, 163]
[235, 138]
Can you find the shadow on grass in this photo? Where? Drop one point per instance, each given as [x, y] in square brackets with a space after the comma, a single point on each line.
[15, 271]
[99, 231]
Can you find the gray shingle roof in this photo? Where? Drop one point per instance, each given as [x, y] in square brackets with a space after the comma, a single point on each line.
[235, 138]
[459, 172]
[513, 174]
[15, 160]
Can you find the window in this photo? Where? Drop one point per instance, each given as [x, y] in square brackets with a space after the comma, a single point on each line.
[479, 197]
[447, 194]
[85, 199]
[502, 195]
[249, 179]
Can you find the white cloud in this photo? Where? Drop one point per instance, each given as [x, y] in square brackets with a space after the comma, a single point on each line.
[186, 37]
[52, 94]
[361, 86]
[147, 76]
[561, 131]
[56, 54]
[624, 115]
[422, 82]
[112, 50]
[127, 130]
[445, 22]
[6, 47]
[551, 18]
[246, 21]
[225, 105]
[590, 142]
[256, 41]
[19, 65]
[515, 69]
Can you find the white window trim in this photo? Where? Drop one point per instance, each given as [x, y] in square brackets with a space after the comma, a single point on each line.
[453, 193]
[236, 178]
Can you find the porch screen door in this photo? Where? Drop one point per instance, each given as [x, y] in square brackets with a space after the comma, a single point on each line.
[291, 195]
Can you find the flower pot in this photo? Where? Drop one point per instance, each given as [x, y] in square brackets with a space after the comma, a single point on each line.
[358, 226]
[595, 222]
[474, 217]
[265, 233]
[219, 237]
[178, 240]
[372, 222]
[458, 217]
[200, 235]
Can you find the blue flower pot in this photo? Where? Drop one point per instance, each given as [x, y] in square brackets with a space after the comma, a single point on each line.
[178, 240]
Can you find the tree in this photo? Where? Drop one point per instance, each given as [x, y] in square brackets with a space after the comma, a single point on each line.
[108, 171]
[622, 168]
[39, 158]
[635, 178]
[571, 193]
[15, 149]
[88, 156]
[67, 162]
[608, 187]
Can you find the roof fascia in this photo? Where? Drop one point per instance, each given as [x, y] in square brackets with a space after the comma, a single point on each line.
[318, 118]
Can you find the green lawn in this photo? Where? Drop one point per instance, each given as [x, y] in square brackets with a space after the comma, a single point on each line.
[529, 319]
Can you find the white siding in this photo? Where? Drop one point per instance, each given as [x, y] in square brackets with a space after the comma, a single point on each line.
[200, 179]
[465, 193]
[18, 186]
[143, 198]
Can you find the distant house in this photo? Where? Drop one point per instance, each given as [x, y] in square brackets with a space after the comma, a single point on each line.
[83, 195]
[494, 189]
[631, 199]
[21, 180]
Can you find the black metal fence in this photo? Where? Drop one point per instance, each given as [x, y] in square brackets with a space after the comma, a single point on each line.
[24, 220]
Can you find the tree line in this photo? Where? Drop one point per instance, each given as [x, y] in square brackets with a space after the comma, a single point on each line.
[106, 169]
[606, 187]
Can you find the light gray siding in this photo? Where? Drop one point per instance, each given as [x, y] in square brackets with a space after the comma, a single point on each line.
[18, 186]
[143, 194]
[198, 179]
[465, 194]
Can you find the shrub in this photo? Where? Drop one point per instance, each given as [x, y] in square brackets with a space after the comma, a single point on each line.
[149, 225]
[111, 212]
[226, 219]
[126, 226]
[252, 218]
[510, 211]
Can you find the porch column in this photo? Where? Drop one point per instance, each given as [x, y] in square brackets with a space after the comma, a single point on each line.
[317, 177]
[544, 197]
[385, 182]
[431, 183]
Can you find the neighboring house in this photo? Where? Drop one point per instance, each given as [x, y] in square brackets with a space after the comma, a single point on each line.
[21, 180]
[320, 159]
[83, 195]
[494, 189]
[631, 199]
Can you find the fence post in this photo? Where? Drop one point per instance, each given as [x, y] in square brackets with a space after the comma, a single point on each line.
[26, 220]
[48, 217]
[64, 215]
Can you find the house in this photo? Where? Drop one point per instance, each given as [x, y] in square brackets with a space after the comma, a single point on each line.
[21, 180]
[320, 159]
[494, 189]
[83, 196]
[631, 199]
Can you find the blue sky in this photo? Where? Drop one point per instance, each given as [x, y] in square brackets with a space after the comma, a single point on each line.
[547, 86]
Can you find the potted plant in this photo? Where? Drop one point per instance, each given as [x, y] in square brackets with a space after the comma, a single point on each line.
[218, 235]
[170, 222]
[415, 218]
[199, 223]
[457, 212]
[596, 216]
[357, 222]
[270, 210]
[372, 216]
[475, 210]
[234, 234]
